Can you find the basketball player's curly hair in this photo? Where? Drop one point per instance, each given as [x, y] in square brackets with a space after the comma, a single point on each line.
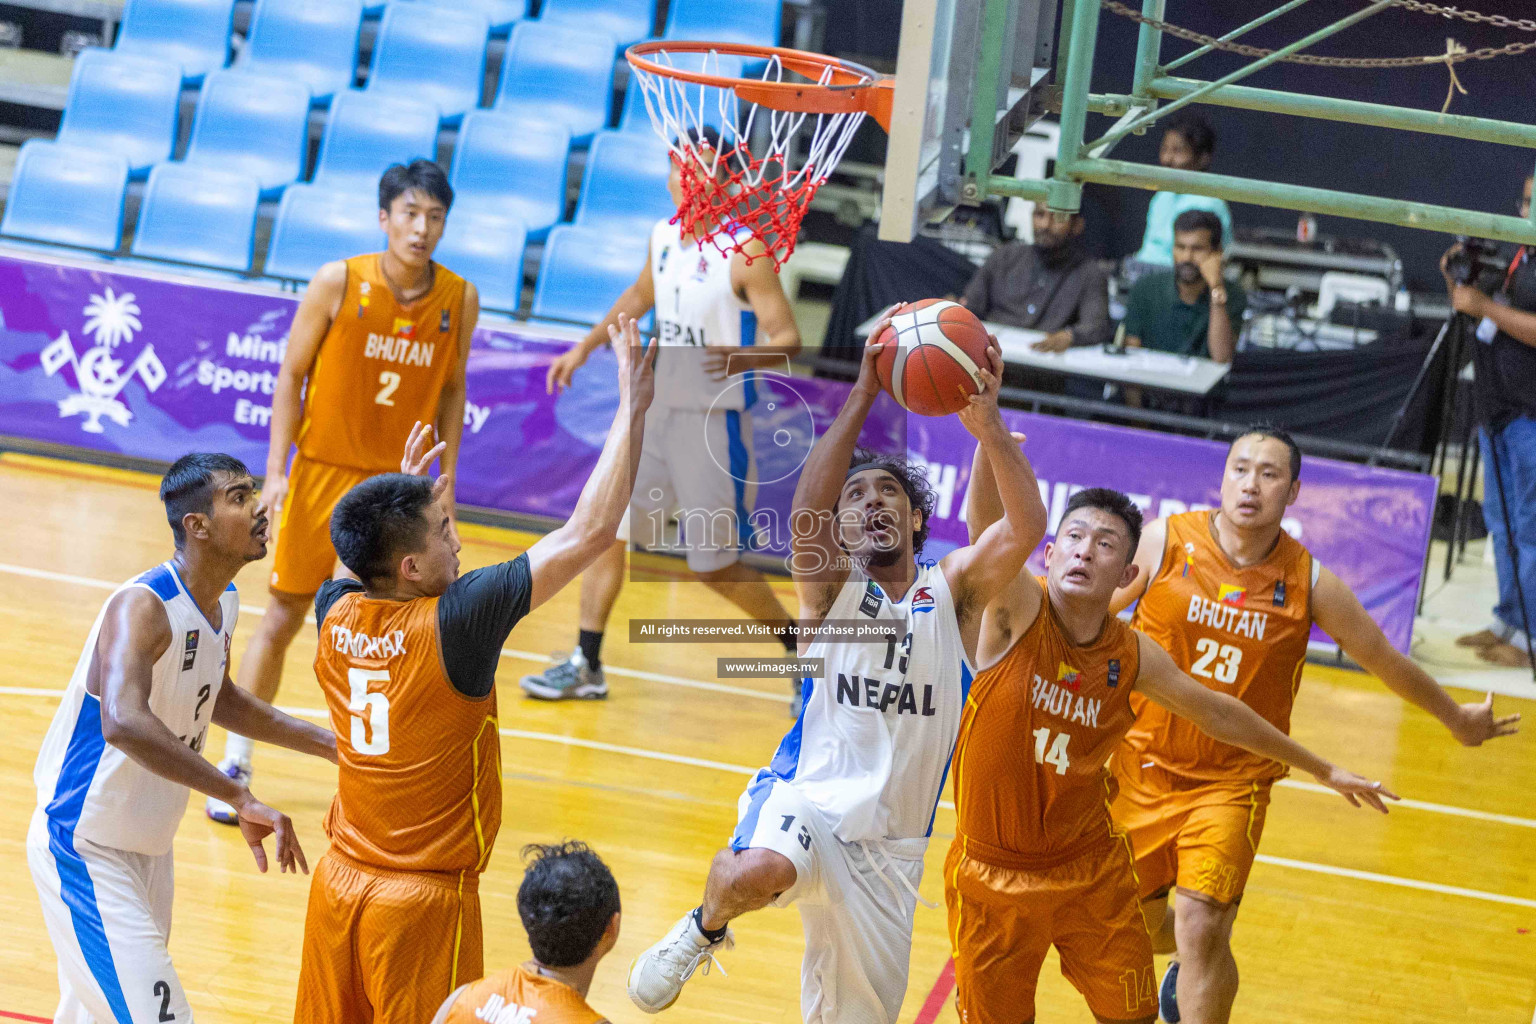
[567, 898]
[914, 481]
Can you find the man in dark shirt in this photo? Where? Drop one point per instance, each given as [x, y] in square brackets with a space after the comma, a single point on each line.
[1050, 285]
[1189, 310]
[1503, 306]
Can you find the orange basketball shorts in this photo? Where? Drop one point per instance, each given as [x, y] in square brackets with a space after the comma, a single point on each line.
[1194, 833]
[305, 558]
[1003, 920]
[385, 947]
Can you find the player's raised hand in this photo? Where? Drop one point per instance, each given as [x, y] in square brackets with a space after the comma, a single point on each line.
[420, 452]
[637, 363]
[563, 369]
[1477, 723]
[274, 492]
[869, 380]
[981, 413]
[257, 821]
[1357, 788]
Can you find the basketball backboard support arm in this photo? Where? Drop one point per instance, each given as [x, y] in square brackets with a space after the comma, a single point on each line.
[1080, 161]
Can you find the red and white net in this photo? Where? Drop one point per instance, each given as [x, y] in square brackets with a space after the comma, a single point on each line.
[769, 163]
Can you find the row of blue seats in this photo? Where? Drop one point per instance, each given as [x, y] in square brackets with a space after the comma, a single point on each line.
[197, 213]
[438, 45]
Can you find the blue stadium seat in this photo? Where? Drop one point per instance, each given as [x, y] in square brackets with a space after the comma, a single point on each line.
[67, 194]
[434, 53]
[368, 132]
[628, 21]
[123, 104]
[315, 43]
[483, 243]
[624, 191]
[198, 215]
[192, 34]
[584, 270]
[519, 161]
[636, 118]
[737, 21]
[502, 14]
[254, 125]
[559, 72]
[316, 225]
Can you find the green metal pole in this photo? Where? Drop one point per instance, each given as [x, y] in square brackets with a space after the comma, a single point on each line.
[1327, 108]
[978, 159]
[1064, 26]
[1149, 47]
[1243, 30]
[1258, 65]
[1065, 195]
[1425, 216]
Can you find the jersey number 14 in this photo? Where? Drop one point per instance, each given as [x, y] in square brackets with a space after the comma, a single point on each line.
[1052, 751]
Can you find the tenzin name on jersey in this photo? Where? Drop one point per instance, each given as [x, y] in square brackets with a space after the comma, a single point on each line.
[1228, 617]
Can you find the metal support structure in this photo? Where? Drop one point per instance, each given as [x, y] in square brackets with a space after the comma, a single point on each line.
[1149, 47]
[1064, 194]
[1242, 30]
[989, 79]
[1244, 72]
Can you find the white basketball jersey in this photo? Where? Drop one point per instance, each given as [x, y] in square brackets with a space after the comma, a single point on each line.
[89, 787]
[697, 307]
[873, 743]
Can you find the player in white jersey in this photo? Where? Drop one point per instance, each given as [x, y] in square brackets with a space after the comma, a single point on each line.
[697, 459]
[126, 745]
[839, 821]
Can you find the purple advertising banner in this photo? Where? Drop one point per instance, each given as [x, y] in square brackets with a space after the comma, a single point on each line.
[152, 368]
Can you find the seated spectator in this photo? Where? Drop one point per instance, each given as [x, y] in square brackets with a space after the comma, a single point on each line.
[1189, 310]
[1049, 285]
[1189, 143]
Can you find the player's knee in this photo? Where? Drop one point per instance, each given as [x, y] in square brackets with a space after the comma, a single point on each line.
[1202, 927]
[760, 873]
[285, 615]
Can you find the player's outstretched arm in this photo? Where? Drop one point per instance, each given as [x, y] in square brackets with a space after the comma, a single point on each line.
[559, 557]
[239, 711]
[634, 302]
[978, 572]
[1336, 608]
[134, 634]
[1228, 719]
[310, 322]
[450, 404]
[812, 528]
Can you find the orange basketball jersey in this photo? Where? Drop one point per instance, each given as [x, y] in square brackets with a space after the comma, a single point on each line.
[420, 780]
[1237, 631]
[380, 368]
[1030, 781]
[524, 996]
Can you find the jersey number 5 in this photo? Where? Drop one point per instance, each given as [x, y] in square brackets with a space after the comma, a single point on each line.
[370, 712]
[1228, 660]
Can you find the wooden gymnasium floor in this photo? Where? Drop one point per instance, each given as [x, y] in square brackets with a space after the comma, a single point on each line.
[1427, 915]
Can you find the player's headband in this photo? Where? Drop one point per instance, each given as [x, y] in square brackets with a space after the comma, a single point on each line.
[861, 467]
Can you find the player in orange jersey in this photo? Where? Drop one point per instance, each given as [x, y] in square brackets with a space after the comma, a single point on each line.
[1232, 597]
[1037, 860]
[569, 904]
[378, 342]
[407, 662]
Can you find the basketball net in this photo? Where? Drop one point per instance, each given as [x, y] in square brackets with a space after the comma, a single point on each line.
[757, 183]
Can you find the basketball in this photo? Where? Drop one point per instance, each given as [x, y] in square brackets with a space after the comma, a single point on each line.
[936, 349]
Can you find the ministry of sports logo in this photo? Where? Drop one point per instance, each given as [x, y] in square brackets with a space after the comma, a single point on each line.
[100, 376]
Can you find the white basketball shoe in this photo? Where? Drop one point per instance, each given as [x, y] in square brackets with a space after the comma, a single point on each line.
[656, 977]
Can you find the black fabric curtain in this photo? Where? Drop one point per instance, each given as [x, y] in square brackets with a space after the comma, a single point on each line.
[881, 273]
[1351, 395]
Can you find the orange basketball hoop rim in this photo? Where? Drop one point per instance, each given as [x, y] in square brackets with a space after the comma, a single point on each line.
[835, 86]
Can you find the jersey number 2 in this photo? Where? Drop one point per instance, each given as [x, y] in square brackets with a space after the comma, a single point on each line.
[388, 381]
[370, 712]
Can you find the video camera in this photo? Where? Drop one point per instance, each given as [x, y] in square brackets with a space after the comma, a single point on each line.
[1475, 256]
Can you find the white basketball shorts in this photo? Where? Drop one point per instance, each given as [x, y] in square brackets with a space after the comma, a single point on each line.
[699, 465]
[108, 913]
[856, 902]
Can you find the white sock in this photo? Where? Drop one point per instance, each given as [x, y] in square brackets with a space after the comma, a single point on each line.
[238, 748]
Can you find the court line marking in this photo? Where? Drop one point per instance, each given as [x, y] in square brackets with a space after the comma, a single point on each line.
[782, 698]
[942, 986]
[7, 1014]
[507, 652]
[739, 769]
